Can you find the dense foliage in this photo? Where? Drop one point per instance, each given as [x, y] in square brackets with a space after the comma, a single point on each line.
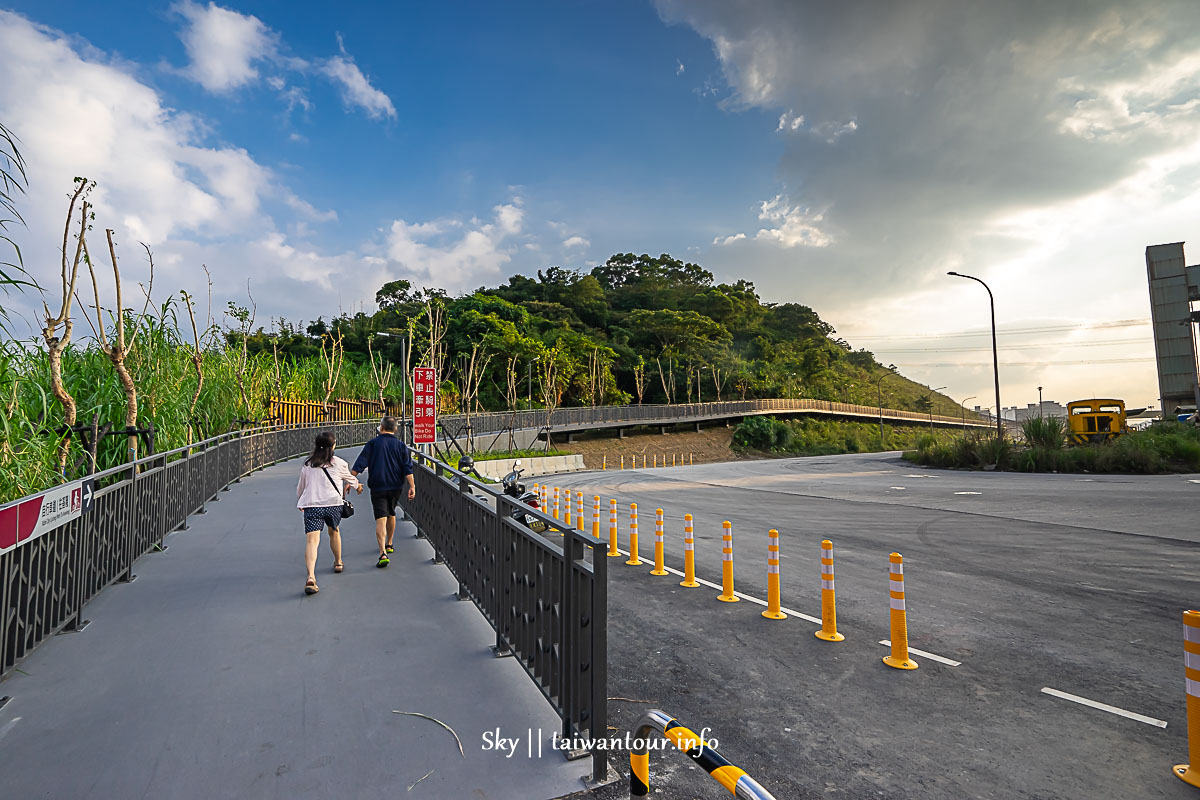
[821, 437]
[1163, 447]
[634, 329]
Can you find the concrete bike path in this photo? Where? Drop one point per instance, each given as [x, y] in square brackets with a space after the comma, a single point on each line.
[212, 675]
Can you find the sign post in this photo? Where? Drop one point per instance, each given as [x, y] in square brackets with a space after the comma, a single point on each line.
[424, 405]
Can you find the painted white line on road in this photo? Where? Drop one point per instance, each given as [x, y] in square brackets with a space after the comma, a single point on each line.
[1193, 480]
[968, 492]
[898, 488]
[947, 661]
[11, 724]
[718, 587]
[1158, 723]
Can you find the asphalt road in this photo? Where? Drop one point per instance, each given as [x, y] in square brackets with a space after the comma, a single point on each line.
[1070, 582]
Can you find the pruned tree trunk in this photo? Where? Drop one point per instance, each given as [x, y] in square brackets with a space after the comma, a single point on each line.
[56, 344]
[639, 379]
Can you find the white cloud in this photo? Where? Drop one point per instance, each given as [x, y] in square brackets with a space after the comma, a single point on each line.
[790, 121]
[679, 69]
[223, 45]
[576, 241]
[453, 254]
[794, 226]
[356, 89]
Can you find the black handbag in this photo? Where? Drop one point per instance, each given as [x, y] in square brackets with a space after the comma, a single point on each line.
[347, 506]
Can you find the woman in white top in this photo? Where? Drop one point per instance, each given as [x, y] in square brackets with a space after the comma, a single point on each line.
[324, 480]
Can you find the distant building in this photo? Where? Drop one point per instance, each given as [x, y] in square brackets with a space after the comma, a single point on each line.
[1049, 409]
[1173, 287]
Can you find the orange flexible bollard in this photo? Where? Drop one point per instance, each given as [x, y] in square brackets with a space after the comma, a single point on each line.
[604, 462]
[829, 631]
[899, 656]
[633, 542]
[612, 529]
[774, 610]
[596, 516]
[659, 566]
[1190, 772]
[579, 511]
[689, 554]
[556, 502]
[727, 595]
[567, 508]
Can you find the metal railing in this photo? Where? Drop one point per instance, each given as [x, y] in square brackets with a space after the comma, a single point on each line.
[47, 579]
[544, 594]
[496, 421]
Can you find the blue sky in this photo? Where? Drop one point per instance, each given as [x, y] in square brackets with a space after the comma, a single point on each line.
[844, 156]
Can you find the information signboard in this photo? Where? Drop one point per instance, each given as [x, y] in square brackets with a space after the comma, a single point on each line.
[424, 405]
[30, 519]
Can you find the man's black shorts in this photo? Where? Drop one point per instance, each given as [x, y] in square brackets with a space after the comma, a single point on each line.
[384, 502]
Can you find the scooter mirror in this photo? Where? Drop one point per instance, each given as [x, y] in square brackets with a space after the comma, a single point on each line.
[517, 463]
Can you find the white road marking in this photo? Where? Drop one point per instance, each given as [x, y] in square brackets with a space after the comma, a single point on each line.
[1158, 723]
[718, 587]
[947, 661]
[11, 724]
[898, 488]
[1193, 480]
[968, 492]
[920, 476]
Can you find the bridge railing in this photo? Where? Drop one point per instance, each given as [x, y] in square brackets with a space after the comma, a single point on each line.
[544, 594]
[495, 421]
[49, 572]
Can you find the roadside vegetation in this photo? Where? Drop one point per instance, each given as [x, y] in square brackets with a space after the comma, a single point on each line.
[1161, 448]
[818, 437]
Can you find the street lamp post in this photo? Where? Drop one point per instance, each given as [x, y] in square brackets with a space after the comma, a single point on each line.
[879, 386]
[929, 399]
[995, 354]
[964, 412]
[1039, 402]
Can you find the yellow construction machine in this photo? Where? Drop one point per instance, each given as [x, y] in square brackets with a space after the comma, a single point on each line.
[1094, 421]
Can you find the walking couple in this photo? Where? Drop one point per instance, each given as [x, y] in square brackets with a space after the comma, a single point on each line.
[389, 469]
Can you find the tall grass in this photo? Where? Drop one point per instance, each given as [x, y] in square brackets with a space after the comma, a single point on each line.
[828, 437]
[162, 369]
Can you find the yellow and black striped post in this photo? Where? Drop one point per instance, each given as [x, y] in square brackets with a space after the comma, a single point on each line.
[556, 502]
[567, 508]
[633, 542]
[1190, 772]
[596, 516]
[612, 529]
[899, 657]
[774, 607]
[579, 511]
[659, 566]
[727, 595]
[723, 771]
[829, 631]
[689, 554]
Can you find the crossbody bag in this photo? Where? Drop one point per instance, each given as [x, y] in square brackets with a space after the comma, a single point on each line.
[347, 506]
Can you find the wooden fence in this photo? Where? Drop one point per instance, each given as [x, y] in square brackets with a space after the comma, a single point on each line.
[306, 412]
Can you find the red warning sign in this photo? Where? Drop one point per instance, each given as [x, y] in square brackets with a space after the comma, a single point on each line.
[424, 405]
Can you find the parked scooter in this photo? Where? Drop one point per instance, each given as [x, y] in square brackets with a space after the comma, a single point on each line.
[515, 489]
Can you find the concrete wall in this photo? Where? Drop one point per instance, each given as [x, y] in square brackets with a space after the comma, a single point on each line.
[531, 466]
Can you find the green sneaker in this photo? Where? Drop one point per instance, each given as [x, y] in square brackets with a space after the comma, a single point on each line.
[383, 560]
[391, 549]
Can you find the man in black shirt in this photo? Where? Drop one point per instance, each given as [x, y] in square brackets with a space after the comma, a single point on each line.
[389, 466]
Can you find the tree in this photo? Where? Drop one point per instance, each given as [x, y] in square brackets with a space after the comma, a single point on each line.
[394, 294]
[119, 348]
[56, 344]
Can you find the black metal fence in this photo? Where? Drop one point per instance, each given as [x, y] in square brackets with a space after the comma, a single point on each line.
[493, 422]
[45, 581]
[545, 594]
